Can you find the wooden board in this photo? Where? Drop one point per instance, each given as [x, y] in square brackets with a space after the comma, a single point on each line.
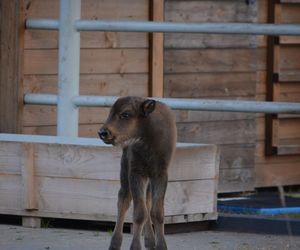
[223, 132]
[93, 61]
[201, 85]
[214, 60]
[80, 179]
[92, 84]
[68, 161]
[213, 11]
[11, 66]
[45, 39]
[157, 51]
[92, 9]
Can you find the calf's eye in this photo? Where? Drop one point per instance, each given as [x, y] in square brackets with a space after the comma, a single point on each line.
[125, 115]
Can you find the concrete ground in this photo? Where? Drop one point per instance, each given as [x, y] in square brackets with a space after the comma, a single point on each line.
[16, 237]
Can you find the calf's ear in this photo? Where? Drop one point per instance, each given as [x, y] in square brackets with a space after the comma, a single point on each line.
[147, 107]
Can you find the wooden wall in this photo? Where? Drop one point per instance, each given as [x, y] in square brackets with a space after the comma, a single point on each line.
[229, 67]
[280, 170]
[111, 63]
[11, 64]
[216, 66]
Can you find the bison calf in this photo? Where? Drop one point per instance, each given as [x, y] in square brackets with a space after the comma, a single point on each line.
[146, 131]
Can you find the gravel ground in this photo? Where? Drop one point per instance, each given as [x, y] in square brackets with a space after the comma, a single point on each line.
[17, 237]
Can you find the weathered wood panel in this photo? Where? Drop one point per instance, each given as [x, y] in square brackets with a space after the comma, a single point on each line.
[196, 85]
[93, 61]
[92, 84]
[91, 9]
[41, 39]
[214, 60]
[11, 68]
[223, 132]
[211, 11]
[75, 180]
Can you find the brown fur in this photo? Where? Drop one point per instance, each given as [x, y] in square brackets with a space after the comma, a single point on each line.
[146, 130]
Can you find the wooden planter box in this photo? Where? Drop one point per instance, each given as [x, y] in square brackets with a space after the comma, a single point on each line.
[47, 176]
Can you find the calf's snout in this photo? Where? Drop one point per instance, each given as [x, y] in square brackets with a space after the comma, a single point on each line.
[103, 133]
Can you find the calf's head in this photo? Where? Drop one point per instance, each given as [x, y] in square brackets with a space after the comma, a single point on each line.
[122, 126]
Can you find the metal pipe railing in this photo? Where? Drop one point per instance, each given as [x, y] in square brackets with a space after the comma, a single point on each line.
[68, 68]
[174, 27]
[177, 103]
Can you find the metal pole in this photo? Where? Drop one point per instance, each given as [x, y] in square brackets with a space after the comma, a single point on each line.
[216, 28]
[69, 68]
[42, 23]
[148, 26]
[178, 103]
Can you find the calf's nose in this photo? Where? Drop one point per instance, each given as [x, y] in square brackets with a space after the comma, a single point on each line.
[103, 133]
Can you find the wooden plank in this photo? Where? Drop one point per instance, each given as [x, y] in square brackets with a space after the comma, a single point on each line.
[95, 199]
[277, 174]
[236, 180]
[10, 158]
[261, 159]
[10, 192]
[290, 76]
[45, 39]
[290, 13]
[214, 60]
[227, 11]
[237, 156]
[289, 40]
[28, 178]
[200, 85]
[211, 41]
[92, 9]
[11, 65]
[289, 129]
[289, 58]
[205, 116]
[223, 132]
[63, 196]
[92, 84]
[39, 115]
[103, 163]
[92, 61]
[31, 222]
[157, 51]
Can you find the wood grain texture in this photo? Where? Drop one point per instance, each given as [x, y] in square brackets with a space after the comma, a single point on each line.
[93, 61]
[101, 163]
[96, 199]
[200, 85]
[75, 181]
[157, 51]
[92, 84]
[41, 39]
[214, 60]
[28, 177]
[92, 9]
[223, 132]
[11, 67]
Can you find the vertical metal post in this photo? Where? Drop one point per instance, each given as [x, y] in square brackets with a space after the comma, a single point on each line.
[69, 68]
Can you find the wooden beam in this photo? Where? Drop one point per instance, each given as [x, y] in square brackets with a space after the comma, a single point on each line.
[156, 51]
[28, 177]
[11, 60]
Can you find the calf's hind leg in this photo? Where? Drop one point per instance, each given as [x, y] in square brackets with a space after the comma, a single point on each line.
[138, 188]
[159, 187]
[124, 199]
[148, 230]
